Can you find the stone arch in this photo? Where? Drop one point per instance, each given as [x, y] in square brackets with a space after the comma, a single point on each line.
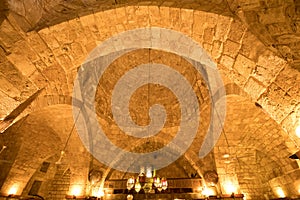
[60, 11]
[187, 156]
[42, 142]
[47, 101]
[239, 54]
[36, 146]
[241, 57]
[260, 144]
[213, 36]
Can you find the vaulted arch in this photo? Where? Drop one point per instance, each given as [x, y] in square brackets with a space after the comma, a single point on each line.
[41, 53]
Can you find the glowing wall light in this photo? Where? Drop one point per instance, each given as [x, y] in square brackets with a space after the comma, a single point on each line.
[13, 189]
[280, 193]
[229, 187]
[229, 184]
[226, 155]
[100, 193]
[298, 131]
[208, 191]
[76, 190]
[199, 189]
[149, 172]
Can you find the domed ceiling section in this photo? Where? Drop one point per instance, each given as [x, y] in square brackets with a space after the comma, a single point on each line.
[252, 151]
[275, 23]
[147, 96]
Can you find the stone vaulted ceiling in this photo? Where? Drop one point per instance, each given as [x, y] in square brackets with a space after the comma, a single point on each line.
[254, 43]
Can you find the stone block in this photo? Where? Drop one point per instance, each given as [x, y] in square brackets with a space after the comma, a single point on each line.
[268, 66]
[278, 28]
[231, 48]
[272, 15]
[222, 27]
[236, 31]
[47, 57]
[154, 15]
[8, 34]
[88, 20]
[217, 49]
[288, 80]
[227, 61]
[175, 19]
[8, 104]
[277, 102]
[199, 23]
[36, 42]
[208, 35]
[251, 46]
[65, 61]
[254, 88]
[186, 26]
[244, 65]
[22, 62]
[47, 35]
[62, 32]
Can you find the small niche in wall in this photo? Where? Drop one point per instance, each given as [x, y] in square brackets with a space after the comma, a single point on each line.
[35, 188]
[44, 167]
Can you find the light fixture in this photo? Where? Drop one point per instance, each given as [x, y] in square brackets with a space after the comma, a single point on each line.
[226, 155]
[280, 192]
[76, 190]
[229, 187]
[297, 131]
[62, 152]
[208, 191]
[148, 182]
[3, 147]
[100, 193]
[13, 190]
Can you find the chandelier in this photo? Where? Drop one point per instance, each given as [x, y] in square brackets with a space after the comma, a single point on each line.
[147, 181]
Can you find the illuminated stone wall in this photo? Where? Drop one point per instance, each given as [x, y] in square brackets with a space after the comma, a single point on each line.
[253, 44]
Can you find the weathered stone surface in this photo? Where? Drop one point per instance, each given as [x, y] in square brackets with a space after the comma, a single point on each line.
[248, 52]
[244, 65]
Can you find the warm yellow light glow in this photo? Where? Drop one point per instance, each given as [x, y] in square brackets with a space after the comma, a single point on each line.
[137, 187]
[13, 190]
[297, 186]
[130, 183]
[229, 187]
[208, 192]
[76, 190]
[226, 155]
[199, 189]
[280, 192]
[100, 193]
[298, 131]
[149, 172]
